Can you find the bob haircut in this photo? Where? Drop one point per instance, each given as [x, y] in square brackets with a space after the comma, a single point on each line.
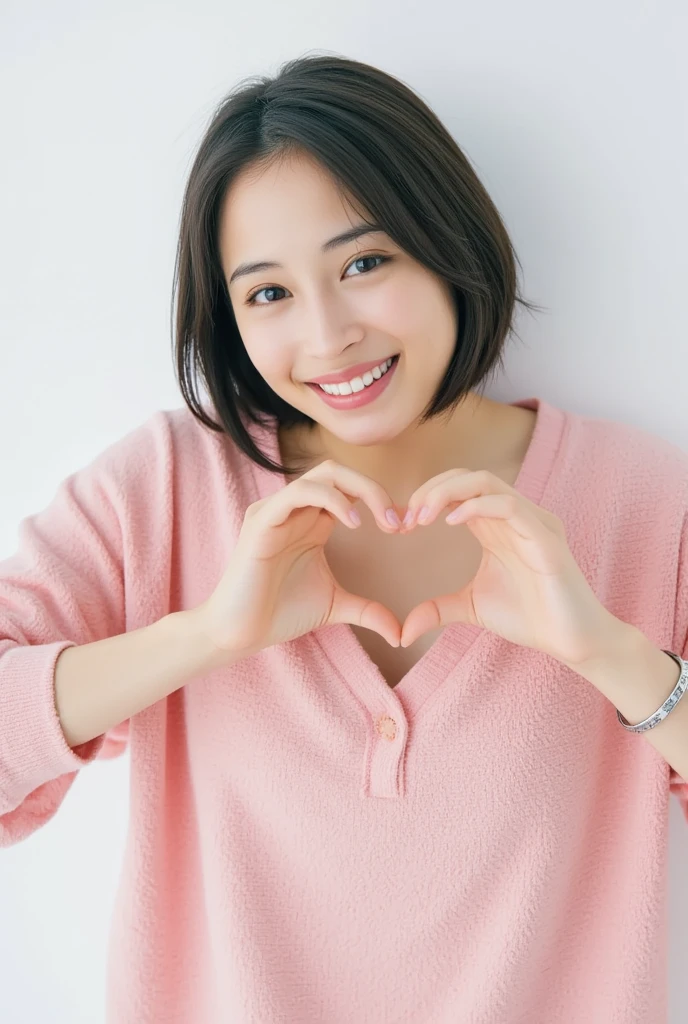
[388, 153]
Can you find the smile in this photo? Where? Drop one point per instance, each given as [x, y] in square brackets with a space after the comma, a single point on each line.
[348, 387]
[358, 391]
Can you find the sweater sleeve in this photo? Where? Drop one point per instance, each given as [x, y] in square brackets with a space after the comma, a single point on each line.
[62, 587]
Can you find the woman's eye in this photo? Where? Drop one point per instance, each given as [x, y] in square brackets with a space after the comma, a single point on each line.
[362, 259]
[251, 300]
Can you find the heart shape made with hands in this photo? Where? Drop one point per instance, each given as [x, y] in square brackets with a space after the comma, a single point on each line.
[528, 588]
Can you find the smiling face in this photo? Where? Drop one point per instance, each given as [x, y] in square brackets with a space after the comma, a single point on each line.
[350, 308]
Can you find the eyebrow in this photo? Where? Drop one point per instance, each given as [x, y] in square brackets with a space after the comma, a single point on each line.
[346, 236]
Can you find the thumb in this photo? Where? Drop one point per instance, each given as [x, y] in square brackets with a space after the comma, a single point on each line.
[438, 611]
[360, 611]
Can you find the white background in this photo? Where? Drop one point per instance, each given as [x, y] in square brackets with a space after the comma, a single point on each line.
[574, 117]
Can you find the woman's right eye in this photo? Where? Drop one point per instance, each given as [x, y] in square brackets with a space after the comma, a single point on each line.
[251, 300]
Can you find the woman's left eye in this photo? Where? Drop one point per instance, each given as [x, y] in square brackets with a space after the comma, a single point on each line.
[362, 259]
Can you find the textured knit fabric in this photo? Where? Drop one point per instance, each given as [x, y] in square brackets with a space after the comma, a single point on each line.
[483, 843]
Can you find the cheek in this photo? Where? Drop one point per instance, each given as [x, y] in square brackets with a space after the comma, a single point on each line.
[412, 309]
[389, 309]
[268, 351]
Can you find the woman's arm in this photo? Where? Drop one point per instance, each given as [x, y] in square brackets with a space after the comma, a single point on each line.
[100, 684]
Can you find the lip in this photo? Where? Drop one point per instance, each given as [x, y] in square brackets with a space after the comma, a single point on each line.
[358, 398]
[350, 372]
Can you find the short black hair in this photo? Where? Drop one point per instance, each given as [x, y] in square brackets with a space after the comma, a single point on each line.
[385, 149]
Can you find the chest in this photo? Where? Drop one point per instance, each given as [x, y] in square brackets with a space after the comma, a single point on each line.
[400, 571]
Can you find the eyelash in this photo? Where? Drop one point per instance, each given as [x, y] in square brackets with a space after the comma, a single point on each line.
[250, 300]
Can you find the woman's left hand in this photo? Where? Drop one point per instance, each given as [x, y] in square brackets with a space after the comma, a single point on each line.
[528, 588]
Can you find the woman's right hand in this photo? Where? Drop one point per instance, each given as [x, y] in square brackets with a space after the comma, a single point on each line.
[278, 584]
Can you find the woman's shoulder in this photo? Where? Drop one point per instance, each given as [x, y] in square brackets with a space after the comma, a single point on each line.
[171, 456]
[626, 459]
[177, 435]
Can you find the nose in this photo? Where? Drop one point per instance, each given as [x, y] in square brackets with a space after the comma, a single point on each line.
[327, 328]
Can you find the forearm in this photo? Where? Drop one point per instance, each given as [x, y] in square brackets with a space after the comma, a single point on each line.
[101, 684]
[637, 677]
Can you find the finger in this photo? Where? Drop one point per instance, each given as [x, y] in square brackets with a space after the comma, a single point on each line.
[439, 611]
[359, 611]
[525, 518]
[428, 496]
[498, 506]
[351, 482]
[303, 493]
[455, 490]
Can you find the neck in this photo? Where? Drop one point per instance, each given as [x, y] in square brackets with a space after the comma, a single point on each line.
[470, 437]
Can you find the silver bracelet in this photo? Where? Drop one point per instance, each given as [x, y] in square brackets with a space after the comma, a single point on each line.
[671, 701]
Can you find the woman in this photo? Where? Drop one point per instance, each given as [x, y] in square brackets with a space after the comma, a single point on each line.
[378, 769]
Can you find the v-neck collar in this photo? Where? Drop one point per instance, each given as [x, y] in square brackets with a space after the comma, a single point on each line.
[339, 644]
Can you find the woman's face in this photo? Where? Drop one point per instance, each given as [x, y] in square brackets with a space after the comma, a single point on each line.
[362, 301]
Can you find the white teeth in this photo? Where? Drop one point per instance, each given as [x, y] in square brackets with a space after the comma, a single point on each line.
[357, 383]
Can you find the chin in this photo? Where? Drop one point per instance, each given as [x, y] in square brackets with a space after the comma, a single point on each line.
[376, 425]
[373, 430]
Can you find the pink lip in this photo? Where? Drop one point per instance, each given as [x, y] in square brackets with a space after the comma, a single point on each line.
[358, 398]
[348, 374]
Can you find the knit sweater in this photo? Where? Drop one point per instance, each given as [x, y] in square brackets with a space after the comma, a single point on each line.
[482, 843]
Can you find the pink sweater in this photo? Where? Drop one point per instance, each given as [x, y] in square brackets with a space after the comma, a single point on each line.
[483, 843]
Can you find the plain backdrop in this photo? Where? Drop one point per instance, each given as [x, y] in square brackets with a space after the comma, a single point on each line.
[574, 117]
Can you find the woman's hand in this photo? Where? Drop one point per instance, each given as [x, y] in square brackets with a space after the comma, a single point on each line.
[278, 584]
[528, 587]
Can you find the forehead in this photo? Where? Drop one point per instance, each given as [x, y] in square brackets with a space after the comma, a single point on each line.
[290, 199]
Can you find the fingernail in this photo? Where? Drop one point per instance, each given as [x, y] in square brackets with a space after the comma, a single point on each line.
[354, 517]
[408, 518]
[423, 514]
[392, 517]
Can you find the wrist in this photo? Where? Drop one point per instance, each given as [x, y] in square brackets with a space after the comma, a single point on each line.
[191, 625]
[633, 673]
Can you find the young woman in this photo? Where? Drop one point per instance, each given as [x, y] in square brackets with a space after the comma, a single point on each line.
[378, 769]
